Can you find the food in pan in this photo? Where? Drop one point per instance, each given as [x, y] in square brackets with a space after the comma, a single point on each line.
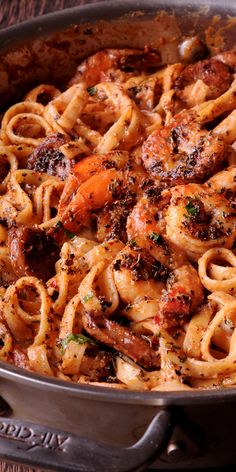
[118, 224]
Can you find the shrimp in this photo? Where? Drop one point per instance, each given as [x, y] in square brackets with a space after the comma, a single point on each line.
[104, 64]
[182, 152]
[214, 73]
[88, 167]
[198, 219]
[92, 194]
[96, 163]
[183, 291]
[92, 188]
[224, 182]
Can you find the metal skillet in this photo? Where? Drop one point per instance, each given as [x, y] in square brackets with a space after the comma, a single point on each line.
[67, 427]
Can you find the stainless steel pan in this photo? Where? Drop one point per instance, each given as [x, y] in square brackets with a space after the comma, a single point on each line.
[62, 426]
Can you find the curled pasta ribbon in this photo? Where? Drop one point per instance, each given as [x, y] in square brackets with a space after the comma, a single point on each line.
[73, 357]
[227, 128]
[7, 276]
[221, 298]
[87, 292]
[130, 375]
[16, 205]
[105, 252]
[20, 321]
[23, 123]
[21, 153]
[141, 310]
[170, 378]
[170, 75]
[46, 197]
[87, 133]
[216, 277]
[144, 87]
[196, 329]
[166, 105]
[98, 260]
[45, 91]
[73, 354]
[66, 108]
[68, 319]
[9, 164]
[209, 110]
[6, 341]
[75, 149]
[69, 276]
[108, 290]
[38, 360]
[210, 366]
[125, 131]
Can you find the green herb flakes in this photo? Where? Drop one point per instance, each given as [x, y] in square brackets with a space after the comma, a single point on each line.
[156, 238]
[92, 91]
[70, 235]
[77, 338]
[132, 243]
[192, 209]
[88, 297]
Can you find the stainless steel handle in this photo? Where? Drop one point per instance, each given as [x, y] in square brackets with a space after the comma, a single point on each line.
[41, 446]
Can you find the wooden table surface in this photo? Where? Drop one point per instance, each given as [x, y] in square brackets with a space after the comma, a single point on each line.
[11, 13]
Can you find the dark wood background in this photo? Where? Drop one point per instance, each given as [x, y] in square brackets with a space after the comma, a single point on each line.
[15, 11]
[12, 12]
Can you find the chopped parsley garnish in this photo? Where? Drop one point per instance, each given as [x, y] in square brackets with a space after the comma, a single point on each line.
[156, 238]
[88, 297]
[67, 233]
[92, 91]
[192, 209]
[132, 243]
[77, 338]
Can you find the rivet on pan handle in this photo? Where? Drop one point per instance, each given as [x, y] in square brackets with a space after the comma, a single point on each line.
[41, 446]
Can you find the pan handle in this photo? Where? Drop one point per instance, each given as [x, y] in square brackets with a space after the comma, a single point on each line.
[40, 446]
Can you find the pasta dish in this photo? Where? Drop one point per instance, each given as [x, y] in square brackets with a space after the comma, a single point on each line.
[118, 224]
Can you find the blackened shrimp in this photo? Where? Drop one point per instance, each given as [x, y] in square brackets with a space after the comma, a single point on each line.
[224, 182]
[88, 167]
[212, 72]
[182, 290]
[79, 200]
[182, 152]
[113, 64]
[198, 219]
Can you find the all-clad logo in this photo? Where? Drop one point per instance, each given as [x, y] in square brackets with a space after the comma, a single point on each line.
[30, 439]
